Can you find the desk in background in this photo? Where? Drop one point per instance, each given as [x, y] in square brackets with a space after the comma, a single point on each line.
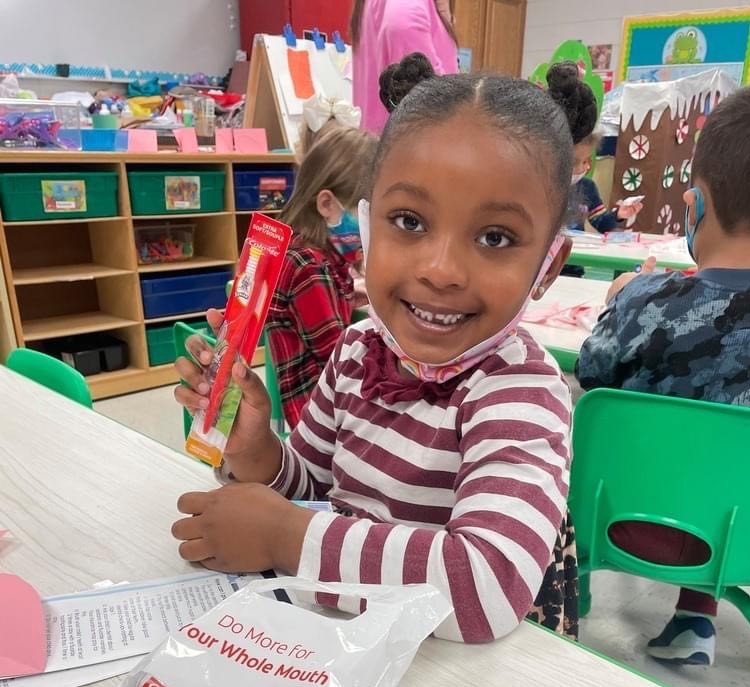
[564, 342]
[624, 257]
[88, 499]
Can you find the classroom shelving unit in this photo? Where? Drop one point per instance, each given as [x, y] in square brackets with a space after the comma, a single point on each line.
[64, 277]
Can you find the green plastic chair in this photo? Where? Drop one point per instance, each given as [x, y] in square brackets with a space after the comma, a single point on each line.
[669, 461]
[52, 373]
[183, 331]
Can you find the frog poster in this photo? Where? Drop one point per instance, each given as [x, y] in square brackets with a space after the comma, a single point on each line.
[673, 46]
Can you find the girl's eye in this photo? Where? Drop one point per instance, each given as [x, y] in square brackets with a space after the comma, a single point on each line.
[408, 223]
[494, 239]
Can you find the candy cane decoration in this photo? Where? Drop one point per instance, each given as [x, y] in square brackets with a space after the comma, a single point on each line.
[686, 169]
[683, 129]
[632, 179]
[664, 219]
[639, 147]
[667, 178]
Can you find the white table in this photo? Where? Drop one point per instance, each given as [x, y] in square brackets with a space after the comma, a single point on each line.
[88, 499]
[626, 256]
[564, 341]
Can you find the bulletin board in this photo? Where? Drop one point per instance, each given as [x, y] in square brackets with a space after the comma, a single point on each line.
[673, 46]
[282, 77]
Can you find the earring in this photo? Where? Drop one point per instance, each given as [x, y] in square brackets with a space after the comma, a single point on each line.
[539, 291]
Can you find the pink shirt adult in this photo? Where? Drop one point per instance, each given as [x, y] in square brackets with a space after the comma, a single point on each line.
[390, 30]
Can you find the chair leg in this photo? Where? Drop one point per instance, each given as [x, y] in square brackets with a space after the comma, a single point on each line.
[584, 594]
[740, 598]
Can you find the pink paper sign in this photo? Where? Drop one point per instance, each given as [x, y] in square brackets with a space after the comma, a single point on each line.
[251, 141]
[187, 140]
[224, 140]
[142, 141]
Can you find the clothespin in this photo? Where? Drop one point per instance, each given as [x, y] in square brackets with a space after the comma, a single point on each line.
[320, 42]
[338, 42]
[291, 39]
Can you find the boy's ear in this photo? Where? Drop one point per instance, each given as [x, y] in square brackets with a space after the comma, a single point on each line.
[689, 198]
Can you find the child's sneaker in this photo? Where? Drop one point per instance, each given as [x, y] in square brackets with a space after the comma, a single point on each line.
[686, 640]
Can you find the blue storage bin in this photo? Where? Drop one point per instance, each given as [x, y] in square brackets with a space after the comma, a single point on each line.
[189, 292]
[105, 140]
[262, 189]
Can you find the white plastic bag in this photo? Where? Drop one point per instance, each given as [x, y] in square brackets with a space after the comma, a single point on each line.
[250, 639]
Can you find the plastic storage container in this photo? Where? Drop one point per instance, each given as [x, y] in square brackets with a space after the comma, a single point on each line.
[262, 189]
[58, 195]
[39, 124]
[157, 243]
[91, 354]
[173, 192]
[104, 140]
[160, 342]
[188, 292]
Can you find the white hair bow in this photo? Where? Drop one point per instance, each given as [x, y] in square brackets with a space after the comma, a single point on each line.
[318, 109]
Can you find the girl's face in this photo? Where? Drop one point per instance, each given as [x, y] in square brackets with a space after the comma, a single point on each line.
[583, 153]
[460, 224]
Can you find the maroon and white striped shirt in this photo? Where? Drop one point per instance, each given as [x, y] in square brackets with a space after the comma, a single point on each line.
[463, 487]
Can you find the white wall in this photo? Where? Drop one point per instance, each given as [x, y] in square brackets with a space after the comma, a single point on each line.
[550, 22]
[158, 35]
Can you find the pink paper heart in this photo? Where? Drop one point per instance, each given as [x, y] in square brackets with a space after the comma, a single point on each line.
[23, 636]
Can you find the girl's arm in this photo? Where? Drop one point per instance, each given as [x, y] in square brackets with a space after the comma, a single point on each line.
[510, 497]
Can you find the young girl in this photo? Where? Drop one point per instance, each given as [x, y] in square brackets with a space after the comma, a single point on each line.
[439, 430]
[313, 302]
[319, 115]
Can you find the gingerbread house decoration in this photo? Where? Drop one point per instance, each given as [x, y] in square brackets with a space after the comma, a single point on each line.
[659, 127]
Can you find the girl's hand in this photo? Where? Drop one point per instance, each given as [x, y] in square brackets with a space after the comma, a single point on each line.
[624, 279]
[253, 452]
[241, 528]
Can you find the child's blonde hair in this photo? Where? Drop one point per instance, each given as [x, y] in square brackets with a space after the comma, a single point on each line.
[339, 162]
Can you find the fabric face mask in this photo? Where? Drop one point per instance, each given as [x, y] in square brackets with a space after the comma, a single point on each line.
[345, 237]
[442, 372]
[700, 211]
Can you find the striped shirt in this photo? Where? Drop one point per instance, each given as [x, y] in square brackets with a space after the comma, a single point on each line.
[461, 485]
[311, 307]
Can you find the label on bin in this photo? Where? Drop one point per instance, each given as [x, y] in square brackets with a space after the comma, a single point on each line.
[64, 196]
[182, 193]
[271, 193]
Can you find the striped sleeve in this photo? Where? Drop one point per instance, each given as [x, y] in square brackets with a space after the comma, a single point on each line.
[510, 497]
[307, 453]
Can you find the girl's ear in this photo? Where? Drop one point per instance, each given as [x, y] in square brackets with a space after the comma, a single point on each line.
[326, 205]
[689, 198]
[554, 269]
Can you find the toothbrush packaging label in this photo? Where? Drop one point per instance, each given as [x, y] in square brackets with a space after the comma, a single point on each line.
[247, 308]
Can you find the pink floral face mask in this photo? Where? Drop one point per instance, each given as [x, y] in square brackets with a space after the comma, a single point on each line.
[444, 371]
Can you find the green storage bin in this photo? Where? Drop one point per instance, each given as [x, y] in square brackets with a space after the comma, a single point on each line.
[57, 195]
[160, 342]
[176, 192]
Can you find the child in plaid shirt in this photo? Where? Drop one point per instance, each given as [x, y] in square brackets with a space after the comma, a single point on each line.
[314, 299]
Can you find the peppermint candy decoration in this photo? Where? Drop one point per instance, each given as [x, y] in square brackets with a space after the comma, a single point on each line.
[639, 147]
[683, 129]
[667, 178]
[664, 219]
[686, 169]
[632, 179]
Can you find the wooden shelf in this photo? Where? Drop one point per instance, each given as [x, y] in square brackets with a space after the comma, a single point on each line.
[83, 220]
[64, 273]
[196, 262]
[262, 212]
[129, 380]
[68, 325]
[174, 318]
[181, 215]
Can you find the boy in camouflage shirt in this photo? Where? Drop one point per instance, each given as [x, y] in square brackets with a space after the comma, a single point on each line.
[688, 337]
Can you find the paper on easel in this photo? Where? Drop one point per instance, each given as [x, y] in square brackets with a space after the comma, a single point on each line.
[125, 620]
